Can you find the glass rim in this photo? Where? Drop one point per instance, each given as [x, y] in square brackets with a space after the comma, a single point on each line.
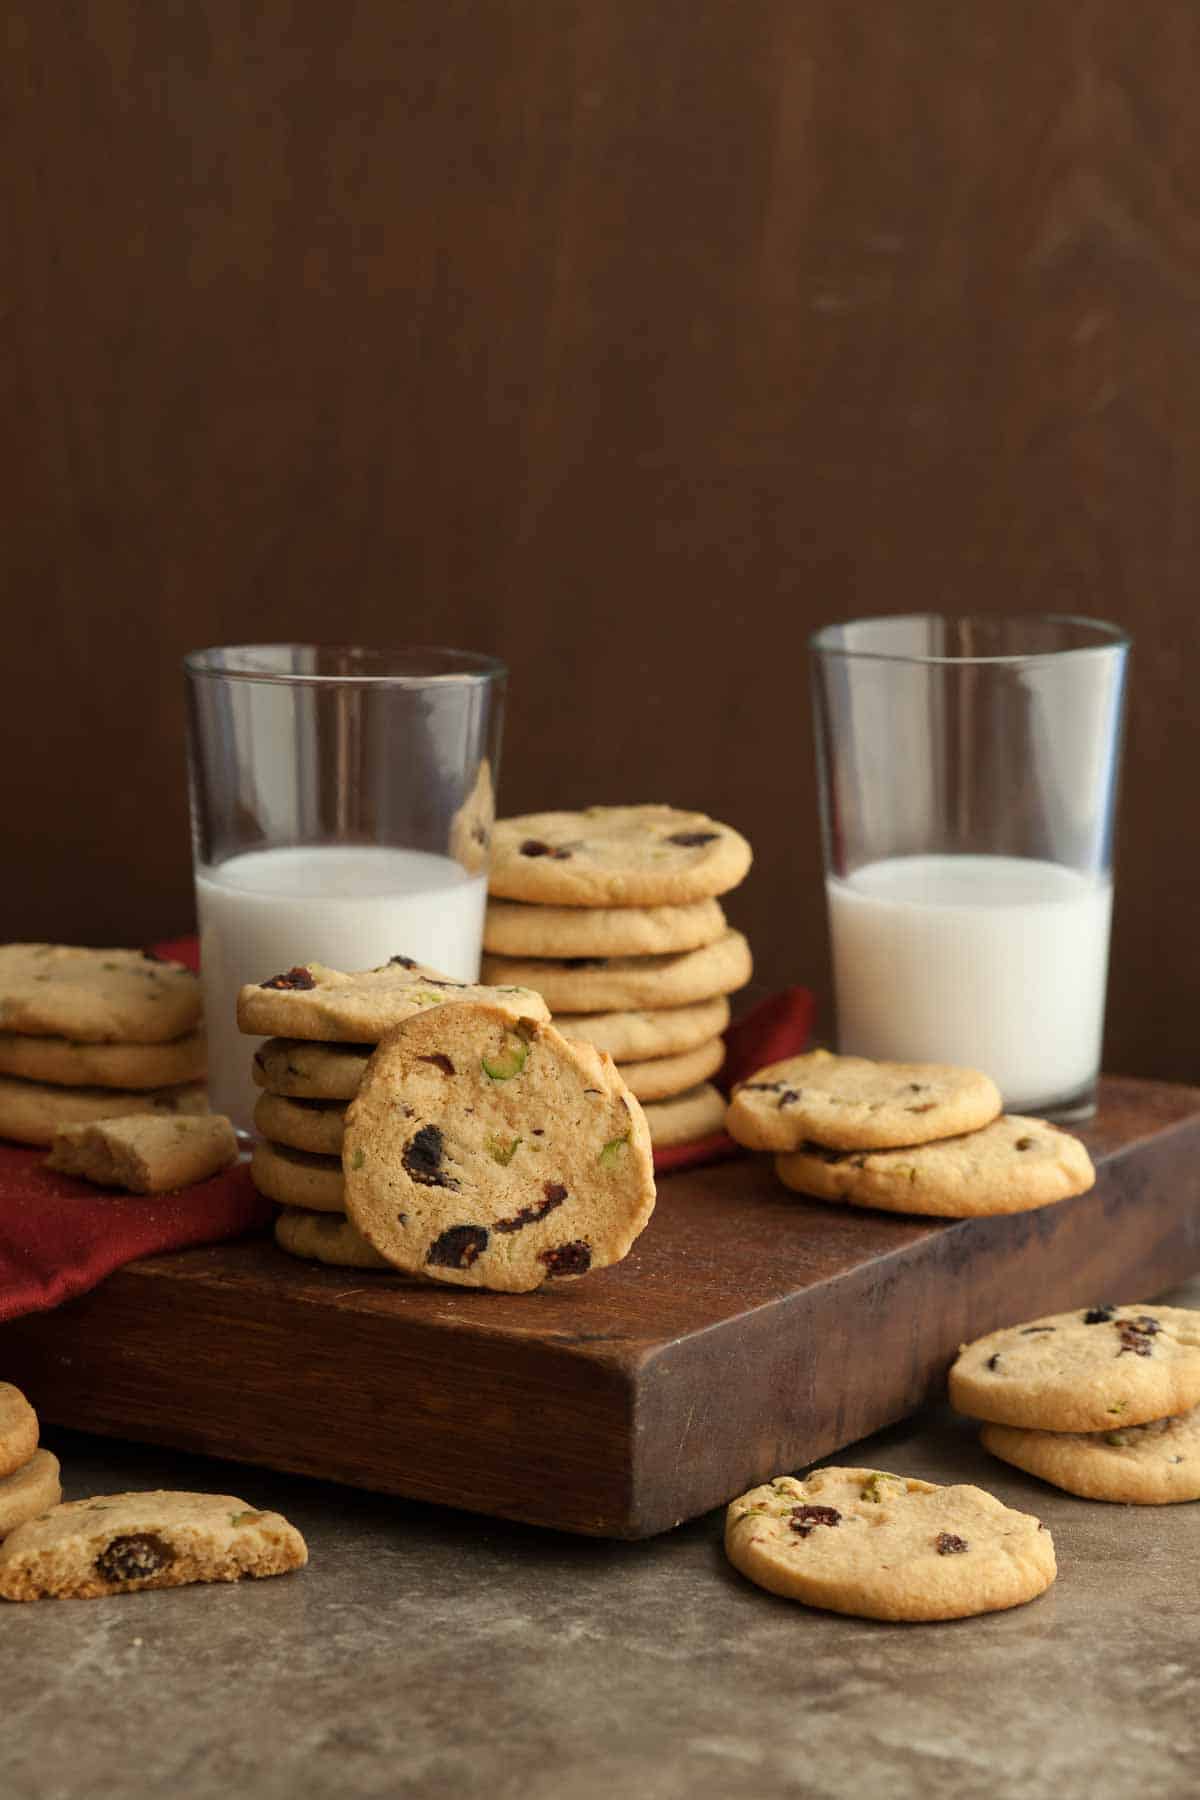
[1110, 637]
[469, 667]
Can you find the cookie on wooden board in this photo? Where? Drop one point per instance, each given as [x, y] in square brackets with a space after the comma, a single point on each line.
[29, 1491]
[310, 1070]
[615, 856]
[883, 1546]
[1012, 1165]
[326, 1238]
[18, 1429]
[65, 1063]
[147, 1153]
[95, 996]
[298, 1178]
[641, 1035]
[1137, 1465]
[696, 1114]
[311, 1001]
[491, 1152]
[517, 928]
[593, 984]
[119, 1543]
[32, 1111]
[851, 1103]
[1098, 1369]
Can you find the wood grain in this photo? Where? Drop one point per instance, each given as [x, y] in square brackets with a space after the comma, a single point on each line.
[627, 342]
[748, 1332]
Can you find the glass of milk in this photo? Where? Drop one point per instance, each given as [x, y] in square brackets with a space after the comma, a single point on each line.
[342, 803]
[968, 775]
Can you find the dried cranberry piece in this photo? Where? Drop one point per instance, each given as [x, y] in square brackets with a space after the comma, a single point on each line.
[949, 1544]
[458, 1247]
[440, 1061]
[805, 1519]
[295, 978]
[134, 1557]
[1098, 1315]
[568, 1259]
[993, 1361]
[1136, 1335]
[406, 962]
[535, 847]
[788, 1097]
[529, 1215]
[690, 840]
[422, 1159]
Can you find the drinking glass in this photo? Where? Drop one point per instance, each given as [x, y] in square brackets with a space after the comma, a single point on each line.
[342, 801]
[968, 775]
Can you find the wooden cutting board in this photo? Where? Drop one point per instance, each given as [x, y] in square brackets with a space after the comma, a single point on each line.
[748, 1333]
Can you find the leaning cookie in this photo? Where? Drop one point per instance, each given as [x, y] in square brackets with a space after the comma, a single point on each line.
[18, 1429]
[882, 1546]
[1012, 1165]
[615, 856]
[311, 1001]
[592, 984]
[297, 1178]
[146, 1154]
[118, 1543]
[850, 1103]
[29, 1491]
[1137, 1465]
[95, 996]
[491, 1152]
[1098, 1369]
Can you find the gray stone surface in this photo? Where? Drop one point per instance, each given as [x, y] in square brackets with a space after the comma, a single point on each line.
[427, 1653]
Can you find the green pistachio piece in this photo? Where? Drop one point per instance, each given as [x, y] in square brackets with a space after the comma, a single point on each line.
[509, 1062]
[873, 1488]
[427, 998]
[1118, 1439]
[501, 1151]
[1118, 1409]
[358, 1159]
[243, 1518]
[611, 1152]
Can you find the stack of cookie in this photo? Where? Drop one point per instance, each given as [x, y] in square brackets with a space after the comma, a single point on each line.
[322, 1027]
[612, 915]
[29, 1477]
[95, 1034]
[904, 1137]
[1103, 1402]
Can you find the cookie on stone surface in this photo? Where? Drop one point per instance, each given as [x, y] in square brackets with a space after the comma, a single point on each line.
[118, 1543]
[491, 1152]
[850, 1103]
[1137, 1465]
[883, 1546]
[95, 996]
[309, 1070]
[29, 1491]
[32, 1111]
[297, 1178]
[593, 984]
[146, 1154]
[66, 1064]
[640, 1036]
[516, 928]
[696, 1114]
[326, 1238]
[311, 1001]
[666, 1077]
[18, 1429]
[313, 1125]
[1098, 1369]
[615, 856]
[1012, 1165]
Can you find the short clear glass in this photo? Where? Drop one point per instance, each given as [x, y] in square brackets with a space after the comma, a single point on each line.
[342, 801]
[968, 779]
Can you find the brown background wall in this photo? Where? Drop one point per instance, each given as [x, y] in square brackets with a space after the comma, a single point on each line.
[628, 339]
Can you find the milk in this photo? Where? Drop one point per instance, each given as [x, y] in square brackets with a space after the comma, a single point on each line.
[349, 906]
[995, 962]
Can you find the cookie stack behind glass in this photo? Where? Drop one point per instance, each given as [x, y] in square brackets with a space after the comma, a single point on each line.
[612, 915]
[95, 1034]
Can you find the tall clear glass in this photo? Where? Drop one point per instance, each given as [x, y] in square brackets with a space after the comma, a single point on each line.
[968, 777]
[342, 802]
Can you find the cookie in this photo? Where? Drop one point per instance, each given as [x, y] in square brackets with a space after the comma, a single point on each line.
[849, 1103]
[639, 1036]
[595, 984]
[1011, 1165]
[60, 1061]
[882, 1546]
[615, 856]
[311, 1001]
[471, 826]
[146, 1154]
[29, 1491]
[313, 1125]
[326, 1238]
[493, 1153]
[1139, 1465]
[296, 1178]
[514, 928]
[18, 1429]
[1099, 1369]
[32, 1111]
[666, 1077]
[95, 996]
[310, 1071]
[696, 1114]
[118, 1543]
